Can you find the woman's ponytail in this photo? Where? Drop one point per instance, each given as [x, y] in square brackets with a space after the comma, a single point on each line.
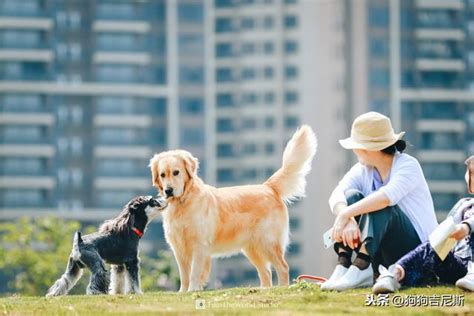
[399, 146]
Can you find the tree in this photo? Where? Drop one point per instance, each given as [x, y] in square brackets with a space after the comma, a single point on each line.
[34, 254]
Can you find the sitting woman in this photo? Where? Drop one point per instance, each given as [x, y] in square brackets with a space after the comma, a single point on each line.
[422, 265]
[383, 206]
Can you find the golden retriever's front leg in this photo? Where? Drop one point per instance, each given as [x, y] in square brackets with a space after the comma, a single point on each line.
[200, 258]
[184, 267]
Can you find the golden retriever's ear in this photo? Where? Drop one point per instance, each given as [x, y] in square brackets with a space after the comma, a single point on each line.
[155, 172]
[191, 163]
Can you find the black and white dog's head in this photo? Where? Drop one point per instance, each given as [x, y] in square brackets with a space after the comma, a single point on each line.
[139, 212]
[143, 209]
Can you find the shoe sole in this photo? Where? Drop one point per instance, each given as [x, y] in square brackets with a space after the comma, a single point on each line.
[382, 290]
[464, 287]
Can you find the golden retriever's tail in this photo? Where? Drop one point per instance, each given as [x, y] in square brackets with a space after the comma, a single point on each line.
[289, 181]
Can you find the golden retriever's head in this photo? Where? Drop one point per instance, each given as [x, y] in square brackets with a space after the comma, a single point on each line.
[172, 172]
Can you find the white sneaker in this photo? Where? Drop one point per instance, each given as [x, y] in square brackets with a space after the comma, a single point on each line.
[467, 282]
[338, 273]
[355, 278]
[386, 282]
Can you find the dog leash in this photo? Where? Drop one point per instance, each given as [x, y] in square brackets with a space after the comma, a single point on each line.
[318, 279]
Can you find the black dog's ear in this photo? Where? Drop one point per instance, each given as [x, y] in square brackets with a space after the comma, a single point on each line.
[131, 217]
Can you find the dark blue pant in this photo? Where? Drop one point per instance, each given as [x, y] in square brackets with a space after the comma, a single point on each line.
[422, 266]
[388, 233]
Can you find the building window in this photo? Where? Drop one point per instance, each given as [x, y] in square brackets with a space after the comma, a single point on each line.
[269, 98]
[290, 21]
[225, 150]
[269, 122]
[191, 105]
[224, 75]
[379, 46]
[291, 122]
[226, 175]
[225, 125]
[291, 97]
[190, 13]
[224, 25]
[291, 72]
[268, 48]
[247, 48]
[19, 197]
[269, 148]
[249, 149]
[268, 72]
[192, 136]
[249, 98]
[378, 16]
[20, 102]
[224, 3]
[225, 100]
[248, 74]
[191, 74]
[191, 45]
[268, 22]
[224, 50]
[249, 174]
[249, 123]
[291, 47]
[379, 77]
[247, 23]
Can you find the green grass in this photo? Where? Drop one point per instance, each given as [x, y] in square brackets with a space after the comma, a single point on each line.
[298, 299]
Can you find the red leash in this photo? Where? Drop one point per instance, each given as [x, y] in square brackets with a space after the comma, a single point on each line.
[311, 277]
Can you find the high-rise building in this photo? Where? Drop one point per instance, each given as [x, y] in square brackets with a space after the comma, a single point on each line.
[415, 65]
[90, 90]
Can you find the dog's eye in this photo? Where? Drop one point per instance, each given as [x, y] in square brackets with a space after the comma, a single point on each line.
[162, 175]
[175, 173]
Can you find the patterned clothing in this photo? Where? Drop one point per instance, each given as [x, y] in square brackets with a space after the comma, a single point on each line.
[423, 266]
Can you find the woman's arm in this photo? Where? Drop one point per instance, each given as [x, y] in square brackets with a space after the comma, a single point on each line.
[374, 202]
[352, 180]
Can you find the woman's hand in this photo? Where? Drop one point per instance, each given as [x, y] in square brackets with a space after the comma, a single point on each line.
[351, 234]
[338, 227]
[461, 231]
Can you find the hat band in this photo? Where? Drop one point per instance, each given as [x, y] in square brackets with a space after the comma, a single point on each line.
[371, 139]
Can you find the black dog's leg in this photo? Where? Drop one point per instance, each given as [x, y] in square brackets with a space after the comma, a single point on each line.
[99, 281]
[133, 269]
[64, 284]
[117, 279]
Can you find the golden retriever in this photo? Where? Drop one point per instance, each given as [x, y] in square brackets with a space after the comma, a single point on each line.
[203, 221]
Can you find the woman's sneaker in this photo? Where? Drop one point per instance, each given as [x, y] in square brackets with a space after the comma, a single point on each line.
[338, 273]
[386, 282]
[355, 278]
[467, 282]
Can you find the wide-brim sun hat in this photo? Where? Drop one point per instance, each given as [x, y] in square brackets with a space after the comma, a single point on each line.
[371, 131]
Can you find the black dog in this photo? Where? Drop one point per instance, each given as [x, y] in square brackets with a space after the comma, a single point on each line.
[116, 243]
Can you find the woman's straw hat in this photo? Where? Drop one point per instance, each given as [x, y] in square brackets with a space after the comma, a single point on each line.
[371, 131]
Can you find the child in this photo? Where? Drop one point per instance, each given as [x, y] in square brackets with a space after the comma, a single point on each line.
[422, 265]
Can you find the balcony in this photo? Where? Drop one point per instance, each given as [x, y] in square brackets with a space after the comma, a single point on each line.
[440, 4]
[32, 150]
[434, 155]
[447, 33]
[449, 65]
[23, 182]
[455, 126]
[121, 26]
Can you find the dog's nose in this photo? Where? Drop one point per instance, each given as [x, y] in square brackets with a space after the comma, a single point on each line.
[169, 192]
[159, 202]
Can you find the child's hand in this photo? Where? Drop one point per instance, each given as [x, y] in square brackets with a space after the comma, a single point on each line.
[461, 231]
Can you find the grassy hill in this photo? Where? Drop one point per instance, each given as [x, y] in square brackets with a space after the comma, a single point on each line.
[299, 299]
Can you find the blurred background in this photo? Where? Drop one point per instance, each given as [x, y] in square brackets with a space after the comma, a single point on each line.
[91, 89]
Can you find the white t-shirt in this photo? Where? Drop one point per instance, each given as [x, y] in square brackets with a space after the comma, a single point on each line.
[406, 187]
